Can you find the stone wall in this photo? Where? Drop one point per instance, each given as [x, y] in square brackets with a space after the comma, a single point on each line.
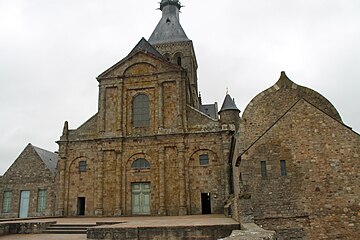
[24, 227]
[318, 197]
[161, 233]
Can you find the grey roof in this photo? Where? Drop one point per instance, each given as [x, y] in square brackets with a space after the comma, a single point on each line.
[228, 104]
[210, 110]
[49, 158]
[145, 46]
[169, 28]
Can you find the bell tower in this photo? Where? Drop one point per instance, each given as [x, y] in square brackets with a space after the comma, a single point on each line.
[170, 39]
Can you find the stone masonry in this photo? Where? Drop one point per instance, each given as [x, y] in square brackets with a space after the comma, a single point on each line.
[32, 171]
[317, 197]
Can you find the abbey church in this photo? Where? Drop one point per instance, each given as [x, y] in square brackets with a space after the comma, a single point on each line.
[288, 163]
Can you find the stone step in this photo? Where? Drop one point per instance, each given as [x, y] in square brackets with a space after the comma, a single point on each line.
[68, 228]
[64, 231]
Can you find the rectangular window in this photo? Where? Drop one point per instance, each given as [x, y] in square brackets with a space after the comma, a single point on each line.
[82, 166]
[204, 159]
[6, 202]
[263, 169]
[283, 167]
[41, 201]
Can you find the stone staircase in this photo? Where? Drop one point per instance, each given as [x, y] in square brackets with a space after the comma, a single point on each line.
[68, 228]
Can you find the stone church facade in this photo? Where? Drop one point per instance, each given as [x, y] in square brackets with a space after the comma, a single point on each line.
[288, 164]
[149, 150]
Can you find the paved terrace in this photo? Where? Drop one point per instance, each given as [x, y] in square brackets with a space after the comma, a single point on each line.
[125, 222]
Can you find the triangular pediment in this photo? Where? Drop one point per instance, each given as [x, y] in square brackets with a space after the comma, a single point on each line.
[32, 162]
[144, 59]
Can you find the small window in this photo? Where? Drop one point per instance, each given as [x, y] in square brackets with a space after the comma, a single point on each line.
[283, 167]
[141, 111]
[41, 201]
[140, 163]
[263, 169]
[179, 61]
[204, 159]
[82, 166]
[6, 202]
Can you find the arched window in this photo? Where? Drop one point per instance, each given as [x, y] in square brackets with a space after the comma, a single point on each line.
[141, 111]
[140, 163]
[179, 61]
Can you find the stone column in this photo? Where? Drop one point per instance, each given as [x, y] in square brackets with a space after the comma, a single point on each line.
[161, 109]
[102, 106]
[60, 211]
[120, 107]
[119, 171]
[182, 188]
[162, 189]
[99, 183]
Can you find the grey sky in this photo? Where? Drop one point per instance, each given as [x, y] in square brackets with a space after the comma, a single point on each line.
[51, 51]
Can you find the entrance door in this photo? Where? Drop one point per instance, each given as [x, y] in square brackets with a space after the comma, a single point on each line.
[140, 198]
[81, 206]
[205, 203]
[24, 204]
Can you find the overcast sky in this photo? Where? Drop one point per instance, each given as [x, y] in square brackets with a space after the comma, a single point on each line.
[51, 51]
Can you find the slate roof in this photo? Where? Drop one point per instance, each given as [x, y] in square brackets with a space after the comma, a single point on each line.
[169, 28]
[146, 47]
[210, 110]
[49, 158]
[228, 104]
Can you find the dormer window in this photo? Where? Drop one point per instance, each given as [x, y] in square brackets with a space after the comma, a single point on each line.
[141, 111]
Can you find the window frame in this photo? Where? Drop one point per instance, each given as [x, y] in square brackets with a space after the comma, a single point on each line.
[263, 168]
[83, 166]
[6, 202]
[141, 111]
[204, 159]
[283, 168]
[140, 164]
[41, 201]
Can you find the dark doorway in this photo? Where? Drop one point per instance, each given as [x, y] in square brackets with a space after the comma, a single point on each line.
[205, 203]
[81, 206]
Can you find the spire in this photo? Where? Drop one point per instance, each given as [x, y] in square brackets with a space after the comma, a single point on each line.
[169, 28]
[228, 104]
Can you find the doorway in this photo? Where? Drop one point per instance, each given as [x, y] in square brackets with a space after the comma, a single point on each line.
[24, 204]
[140, 198]
[206, 203]
[81, 206]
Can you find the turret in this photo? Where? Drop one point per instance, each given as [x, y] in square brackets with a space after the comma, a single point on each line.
[229, 113]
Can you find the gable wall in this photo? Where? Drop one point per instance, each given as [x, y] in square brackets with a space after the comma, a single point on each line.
[28, 173]
[319, 198]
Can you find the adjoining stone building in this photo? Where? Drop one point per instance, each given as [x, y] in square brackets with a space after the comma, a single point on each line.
[297, 166]
[27, 188]
[149, 149]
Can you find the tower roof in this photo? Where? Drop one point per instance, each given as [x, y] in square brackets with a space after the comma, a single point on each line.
[228, 104]
[169, 28]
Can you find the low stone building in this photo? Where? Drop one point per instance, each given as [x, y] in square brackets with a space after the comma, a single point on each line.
[27, 188]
